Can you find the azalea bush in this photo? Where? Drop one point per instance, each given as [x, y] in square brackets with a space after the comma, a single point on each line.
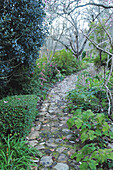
[47, 71]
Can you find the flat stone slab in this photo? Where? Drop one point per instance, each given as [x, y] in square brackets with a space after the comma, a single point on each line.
[61, 166]
[66, 130]
[34, 135]
[39, 147]
[43, 113]
[46, 161]
[59, 140]
[62, 158]
[61, 149]
[52, 145]
[33, 143]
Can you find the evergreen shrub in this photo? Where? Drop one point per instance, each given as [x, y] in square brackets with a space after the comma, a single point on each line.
[17, 114]
[22, 33]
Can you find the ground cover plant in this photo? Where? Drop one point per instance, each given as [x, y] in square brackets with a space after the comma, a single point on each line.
[93, 137]
[89, 94]
[15, 154]
[90, 121]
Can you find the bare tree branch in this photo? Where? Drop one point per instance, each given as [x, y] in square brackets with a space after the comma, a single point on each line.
[93, 4]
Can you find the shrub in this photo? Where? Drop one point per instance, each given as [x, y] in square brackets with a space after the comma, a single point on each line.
[46, 70]
[90, 95]
[87, 59]
[22, 33]
[17, 114]
[16, 154]
[102, 62]
[66, 62]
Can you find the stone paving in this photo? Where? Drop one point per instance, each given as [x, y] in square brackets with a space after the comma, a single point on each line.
[50, 133]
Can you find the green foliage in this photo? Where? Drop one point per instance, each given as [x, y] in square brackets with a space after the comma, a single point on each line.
[45, 75]
[100, 36]
[63, 63]
[66, 62]
[47, 70]
[17, 114]
[22, 33]
[94, 132]
[15, 154]
[104, 58]
[90, 95]
[83, 54]
[87, 59]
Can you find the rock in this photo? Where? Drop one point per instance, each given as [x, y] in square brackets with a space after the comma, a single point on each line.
[37, 122]
[41, 119]
[38, 126]
[62, 158]
[51, 140]
[53, 129]
[110, 146]
[66, 130]
[43, 113]
[32, 129]
[52, 145]
[34, 135]
[45, 121]
[44, 108]
[61, 166]
[33, 142]
[45, 128]
[68, 136]
[61, 149]
[72, 151]
[59, 141]
[39, 147]
[46, 161]
[42, 143]
[34, 168]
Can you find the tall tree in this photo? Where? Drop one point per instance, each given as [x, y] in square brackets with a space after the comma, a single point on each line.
[76, 15]
[22, 33]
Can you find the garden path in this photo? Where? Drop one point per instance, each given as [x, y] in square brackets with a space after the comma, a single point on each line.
[50, 133]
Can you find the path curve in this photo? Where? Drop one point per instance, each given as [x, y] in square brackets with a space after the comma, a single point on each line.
[50, 134]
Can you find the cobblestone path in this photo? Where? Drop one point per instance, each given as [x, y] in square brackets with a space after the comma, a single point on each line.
[50, 134]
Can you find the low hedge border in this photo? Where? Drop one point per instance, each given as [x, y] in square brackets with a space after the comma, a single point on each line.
[17, 114]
